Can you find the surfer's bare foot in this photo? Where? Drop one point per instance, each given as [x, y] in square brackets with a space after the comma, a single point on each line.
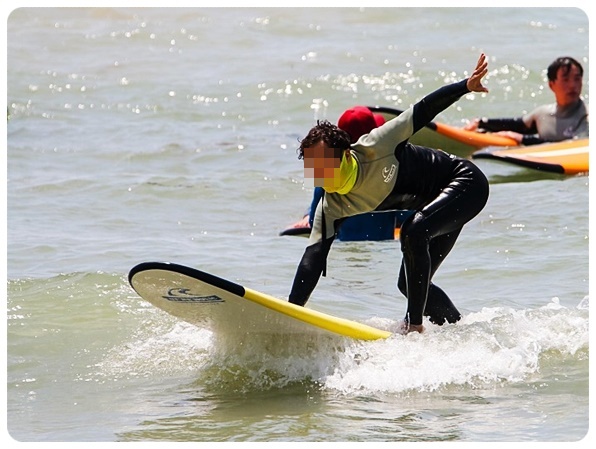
[406, 328]
[415, 328]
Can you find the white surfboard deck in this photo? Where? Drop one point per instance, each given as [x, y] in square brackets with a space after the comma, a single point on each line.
[222, 306]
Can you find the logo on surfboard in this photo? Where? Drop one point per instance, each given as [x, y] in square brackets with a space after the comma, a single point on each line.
[184, 295]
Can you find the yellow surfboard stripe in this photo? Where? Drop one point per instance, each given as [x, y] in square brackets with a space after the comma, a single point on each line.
[334, 324]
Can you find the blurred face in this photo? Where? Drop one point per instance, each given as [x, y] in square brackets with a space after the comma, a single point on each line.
[567, 87]
[321, 166]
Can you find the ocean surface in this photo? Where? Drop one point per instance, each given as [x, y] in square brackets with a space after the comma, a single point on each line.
[170, 134]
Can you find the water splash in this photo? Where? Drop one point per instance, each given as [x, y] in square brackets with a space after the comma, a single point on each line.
[491, 347]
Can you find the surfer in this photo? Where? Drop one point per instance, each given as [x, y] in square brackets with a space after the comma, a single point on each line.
[383, 171]
[565, 119]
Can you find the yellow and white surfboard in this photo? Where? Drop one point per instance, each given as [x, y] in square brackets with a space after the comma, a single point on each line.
[219, 305]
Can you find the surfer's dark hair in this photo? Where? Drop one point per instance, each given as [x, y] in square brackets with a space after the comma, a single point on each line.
[564, 62]
[333, 136]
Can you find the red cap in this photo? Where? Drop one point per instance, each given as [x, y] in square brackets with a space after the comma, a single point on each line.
[379, 119]
[358, 121]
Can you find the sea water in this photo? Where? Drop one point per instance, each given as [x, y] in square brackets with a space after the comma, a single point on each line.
[170, 134]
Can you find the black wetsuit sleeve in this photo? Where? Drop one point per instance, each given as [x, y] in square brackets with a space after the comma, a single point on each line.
[530, 134]
[439, 100]
[309, 271]
[506, 124]
[531, 139]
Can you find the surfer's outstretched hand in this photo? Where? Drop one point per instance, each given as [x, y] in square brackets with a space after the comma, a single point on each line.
[474, 83]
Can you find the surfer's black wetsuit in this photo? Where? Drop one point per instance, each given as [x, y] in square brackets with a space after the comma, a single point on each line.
[445, 192]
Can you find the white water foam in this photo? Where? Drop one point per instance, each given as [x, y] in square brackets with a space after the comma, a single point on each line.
[491, 346]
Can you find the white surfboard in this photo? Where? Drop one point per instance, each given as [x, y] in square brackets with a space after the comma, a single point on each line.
[222, 306]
